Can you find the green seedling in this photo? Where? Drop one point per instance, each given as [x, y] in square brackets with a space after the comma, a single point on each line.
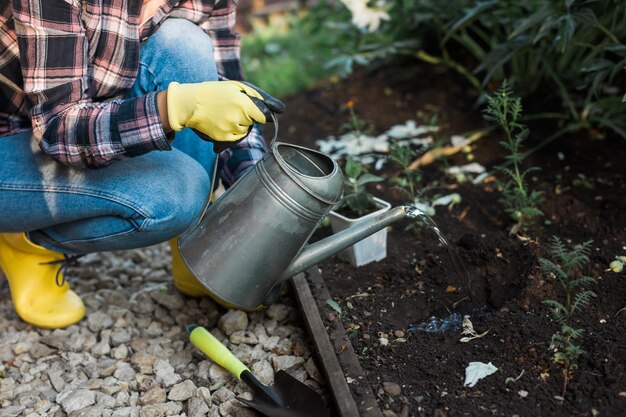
[355, 197]
[566, 266]
[355, 124]
[409, 180]
[520, 202]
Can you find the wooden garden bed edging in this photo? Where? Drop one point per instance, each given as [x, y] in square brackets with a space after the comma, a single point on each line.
[335, 352]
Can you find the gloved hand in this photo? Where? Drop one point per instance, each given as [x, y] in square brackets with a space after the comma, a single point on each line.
[223, 112]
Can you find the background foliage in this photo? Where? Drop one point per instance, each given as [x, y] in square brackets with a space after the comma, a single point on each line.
[570, 52]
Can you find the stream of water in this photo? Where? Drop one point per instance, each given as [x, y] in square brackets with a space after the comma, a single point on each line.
[459, 266]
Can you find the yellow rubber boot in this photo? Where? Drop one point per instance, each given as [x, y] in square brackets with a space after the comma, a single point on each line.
[37, 298]
[184, 279]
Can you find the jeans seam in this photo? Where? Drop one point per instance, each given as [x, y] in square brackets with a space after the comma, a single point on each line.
[130, 232]
[110, 197]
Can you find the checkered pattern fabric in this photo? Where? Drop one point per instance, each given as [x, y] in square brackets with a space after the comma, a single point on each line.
[65, 65]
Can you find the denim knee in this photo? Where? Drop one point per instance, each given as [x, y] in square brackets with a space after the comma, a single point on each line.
[178, 51]
[179, 196]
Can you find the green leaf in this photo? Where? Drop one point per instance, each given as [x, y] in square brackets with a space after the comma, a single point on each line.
[353, 168]
[368, 178]
[531, 21]
[581, 300]
[335, 306]
[582, 281]
[470, 15]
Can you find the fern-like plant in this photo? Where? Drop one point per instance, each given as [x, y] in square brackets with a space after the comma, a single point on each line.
[567, 266]
[520, 202]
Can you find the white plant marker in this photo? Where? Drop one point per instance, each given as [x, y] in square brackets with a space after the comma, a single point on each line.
[476, 371]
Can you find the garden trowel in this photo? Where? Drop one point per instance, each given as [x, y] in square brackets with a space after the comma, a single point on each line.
[288, 397]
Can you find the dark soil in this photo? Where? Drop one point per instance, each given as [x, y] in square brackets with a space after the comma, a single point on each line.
[506, 290]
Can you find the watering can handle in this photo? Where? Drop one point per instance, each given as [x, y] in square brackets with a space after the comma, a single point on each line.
[275, 120]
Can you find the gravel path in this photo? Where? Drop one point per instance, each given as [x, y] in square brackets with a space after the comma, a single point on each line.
[131, 357]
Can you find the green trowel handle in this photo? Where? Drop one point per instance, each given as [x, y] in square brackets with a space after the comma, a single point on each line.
[214, 349]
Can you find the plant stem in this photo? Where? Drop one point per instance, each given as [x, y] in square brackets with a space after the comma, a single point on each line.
[431, 59]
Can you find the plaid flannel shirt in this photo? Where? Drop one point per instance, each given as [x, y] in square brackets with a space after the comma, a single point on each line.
[66, 64]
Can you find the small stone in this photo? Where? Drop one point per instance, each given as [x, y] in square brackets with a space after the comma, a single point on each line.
[119, 352]
[286, 362]
[222, 395]
[120, 336]
[313, 372]
[165, 372]
[124, 372]
[197, 407]
[143, 361]
[278, 312]
[100, 349]
[122, 398]
[152, 396]
[181, 359]
[218, 374]
[173, 302]
[73, 400]
[203, 370]
[182, 391]
[522, 393]
[398, 333]
[106, 367]
[205, 394]
[105, 400]
[234, 408]
[232, 321]
[143, 304]
[125, 412]
[39, 350]
[56, 340]
[6, 353]
[240, 337]
[21, 347]
[12, 411]
[93, 411]
[392, 388]
[99, 320]
[263, 371]
[55, 379]
[271, 343]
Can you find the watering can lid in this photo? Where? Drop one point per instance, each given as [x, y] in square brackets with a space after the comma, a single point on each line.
[327, 186]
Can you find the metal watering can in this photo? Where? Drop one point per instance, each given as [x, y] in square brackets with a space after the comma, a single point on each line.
[254, 237]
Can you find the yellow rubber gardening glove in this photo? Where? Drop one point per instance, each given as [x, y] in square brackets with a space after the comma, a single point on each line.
[223, 111]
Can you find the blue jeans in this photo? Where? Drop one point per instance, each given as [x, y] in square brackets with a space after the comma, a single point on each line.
[131, 203]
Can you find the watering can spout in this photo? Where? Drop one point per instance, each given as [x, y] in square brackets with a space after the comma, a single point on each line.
[318, 251]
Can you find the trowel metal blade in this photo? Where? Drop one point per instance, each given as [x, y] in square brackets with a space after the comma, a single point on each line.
[298, 399]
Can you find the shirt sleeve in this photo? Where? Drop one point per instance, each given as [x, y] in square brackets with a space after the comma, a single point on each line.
[220, 26]
[68, 123]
